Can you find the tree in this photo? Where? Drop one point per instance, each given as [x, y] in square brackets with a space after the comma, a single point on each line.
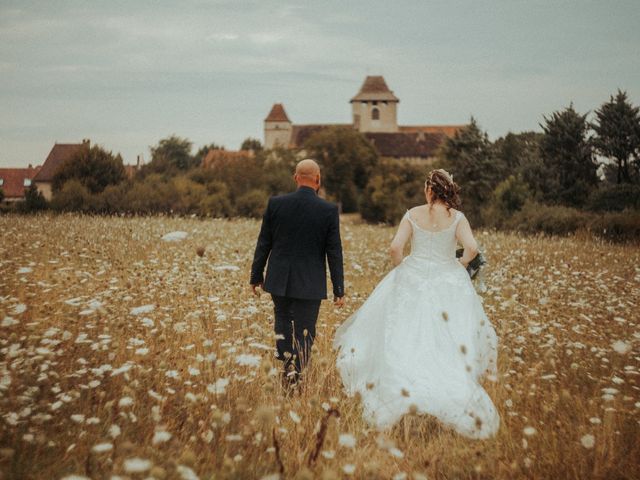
[1, 195]
[95, 168]
[617, 128]
[520, 154]
[33, 200]
[202, 152]
[391, 190]
[470, 158]
[171, 155]
[251, 144]
[347, 158]
[567, 154]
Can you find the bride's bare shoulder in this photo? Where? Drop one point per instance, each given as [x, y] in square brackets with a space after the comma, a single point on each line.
[419, 209]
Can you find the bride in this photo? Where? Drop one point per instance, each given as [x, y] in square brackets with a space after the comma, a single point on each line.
[421, 342]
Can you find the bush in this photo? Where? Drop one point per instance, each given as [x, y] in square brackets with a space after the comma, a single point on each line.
[73, 197]
[33, 200]
[189, 194]
[554, 220]
[1, 195]
[558, 220]
[617, 226]
[151, 195]
[615, 197]
[216, 203]
[508, 198]
[112, 199]
[252, 203]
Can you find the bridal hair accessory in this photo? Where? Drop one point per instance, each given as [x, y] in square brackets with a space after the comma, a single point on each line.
[442, 171]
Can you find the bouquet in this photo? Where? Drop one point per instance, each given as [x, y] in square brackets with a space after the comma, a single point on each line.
[475, 268]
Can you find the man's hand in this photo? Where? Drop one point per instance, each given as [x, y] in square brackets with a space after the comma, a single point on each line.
[338, 302]
[255, 287]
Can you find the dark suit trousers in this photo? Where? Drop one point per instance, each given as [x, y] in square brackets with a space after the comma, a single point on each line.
[295, 328]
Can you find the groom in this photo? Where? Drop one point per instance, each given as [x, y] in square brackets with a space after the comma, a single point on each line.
[299, 230]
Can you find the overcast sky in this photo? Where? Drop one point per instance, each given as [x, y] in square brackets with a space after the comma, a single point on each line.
[127, 73]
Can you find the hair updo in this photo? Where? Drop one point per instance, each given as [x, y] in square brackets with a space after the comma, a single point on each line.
[443, 188]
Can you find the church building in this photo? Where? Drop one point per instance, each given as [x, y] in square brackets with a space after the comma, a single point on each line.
[375, 114]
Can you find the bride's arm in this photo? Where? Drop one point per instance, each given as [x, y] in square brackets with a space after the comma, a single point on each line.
[403, 234]
[465, 237]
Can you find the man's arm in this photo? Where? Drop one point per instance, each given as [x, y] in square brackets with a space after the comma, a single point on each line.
[334, 255]
[263, 249]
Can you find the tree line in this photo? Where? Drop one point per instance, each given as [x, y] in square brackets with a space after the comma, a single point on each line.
[557, 180]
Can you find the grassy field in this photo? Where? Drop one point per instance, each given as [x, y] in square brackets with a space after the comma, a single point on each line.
[125, 356]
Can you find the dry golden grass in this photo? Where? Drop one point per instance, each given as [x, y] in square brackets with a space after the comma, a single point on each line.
[89, 384]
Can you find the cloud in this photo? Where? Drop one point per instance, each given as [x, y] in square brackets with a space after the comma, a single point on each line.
[210, 70]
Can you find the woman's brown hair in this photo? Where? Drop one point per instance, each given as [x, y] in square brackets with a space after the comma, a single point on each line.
[443, 188]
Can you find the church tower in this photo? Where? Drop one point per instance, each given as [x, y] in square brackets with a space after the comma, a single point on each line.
[277, 128]
[375, 107]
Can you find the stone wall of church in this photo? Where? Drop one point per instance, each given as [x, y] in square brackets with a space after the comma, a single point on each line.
[277, 134]
[375, 116]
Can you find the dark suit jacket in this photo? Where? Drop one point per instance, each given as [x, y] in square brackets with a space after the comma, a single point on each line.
[299, 231]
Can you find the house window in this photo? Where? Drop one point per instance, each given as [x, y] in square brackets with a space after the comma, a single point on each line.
[1, 181]
[374, 102]
[375, 114]
[363, 103]
[27, 182]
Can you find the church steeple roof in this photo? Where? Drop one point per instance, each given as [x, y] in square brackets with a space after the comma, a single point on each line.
[277, 114]
[375, 88]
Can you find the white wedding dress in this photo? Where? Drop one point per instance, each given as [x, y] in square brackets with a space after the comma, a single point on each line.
[422, 339]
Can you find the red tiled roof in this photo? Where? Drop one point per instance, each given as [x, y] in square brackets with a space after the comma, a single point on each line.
[57, 156]
[215, 157]
[397, 145]
[277, 114]
[375, 88]
[448, 130]
[406, 144]
[13, 180]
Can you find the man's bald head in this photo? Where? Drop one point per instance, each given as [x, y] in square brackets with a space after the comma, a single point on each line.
[307, 174]
[307, 167]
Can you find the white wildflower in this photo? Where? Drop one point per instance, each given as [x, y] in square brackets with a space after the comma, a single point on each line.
[347, 440]
[294, 416]
[137, 465]
[102, 447]
[248, 359]
[588, 441]
[218, 388]
[621, 347]
[186, 473]
[349, 468]
[8, 322]
[114, 431]
[142, 309]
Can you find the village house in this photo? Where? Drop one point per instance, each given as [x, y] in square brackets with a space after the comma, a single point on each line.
[375, 114]
[15, 181]
[57, 156]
